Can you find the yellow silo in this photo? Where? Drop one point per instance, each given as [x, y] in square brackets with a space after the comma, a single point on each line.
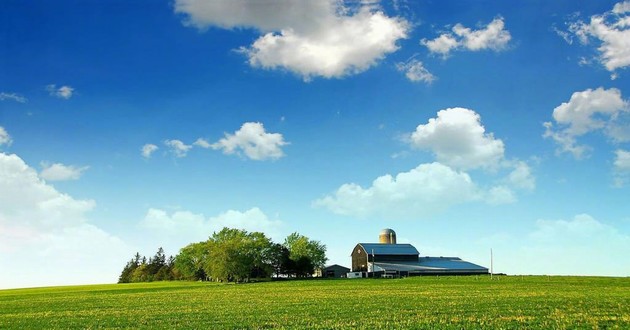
[387, 236]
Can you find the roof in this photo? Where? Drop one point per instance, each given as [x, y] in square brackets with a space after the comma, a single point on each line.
[387, 231]
[337, 267]
[389, 249]
[433, 265]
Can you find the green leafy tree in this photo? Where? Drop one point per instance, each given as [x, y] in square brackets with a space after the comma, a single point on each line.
[301, 247]
[236, 255]
[279, 259]
[190, 262]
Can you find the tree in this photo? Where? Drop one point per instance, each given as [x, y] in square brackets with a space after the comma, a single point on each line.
[189, 263]
[302, 247]
[236, 255]
[279, 259]
[125, 276]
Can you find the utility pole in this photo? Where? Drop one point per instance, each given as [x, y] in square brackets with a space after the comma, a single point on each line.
[491, 264]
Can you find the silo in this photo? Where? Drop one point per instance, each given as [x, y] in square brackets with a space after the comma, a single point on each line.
[387, 236]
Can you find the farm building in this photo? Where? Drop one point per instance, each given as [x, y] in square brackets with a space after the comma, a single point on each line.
[387, 258]
[335, 271]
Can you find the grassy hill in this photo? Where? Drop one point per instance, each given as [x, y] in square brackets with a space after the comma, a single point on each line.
[421, 302]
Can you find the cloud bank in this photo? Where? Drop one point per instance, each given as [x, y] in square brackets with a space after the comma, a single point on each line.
[180, 228]
[42, 226]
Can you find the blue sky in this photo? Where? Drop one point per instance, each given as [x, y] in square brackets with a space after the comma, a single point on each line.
[464, 126]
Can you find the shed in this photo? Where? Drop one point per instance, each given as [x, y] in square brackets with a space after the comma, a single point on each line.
[334, 271]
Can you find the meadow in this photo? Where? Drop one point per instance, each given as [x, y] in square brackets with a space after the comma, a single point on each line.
[507, 302]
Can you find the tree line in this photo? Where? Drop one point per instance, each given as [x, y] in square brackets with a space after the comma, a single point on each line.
[230, 255]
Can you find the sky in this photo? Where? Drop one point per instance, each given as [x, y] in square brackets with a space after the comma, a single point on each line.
[465, 126]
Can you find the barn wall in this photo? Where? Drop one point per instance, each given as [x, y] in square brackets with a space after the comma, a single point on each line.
[359, 259]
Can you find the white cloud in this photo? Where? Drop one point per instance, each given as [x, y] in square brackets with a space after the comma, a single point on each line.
[183, 227]
[500, 195]
[622, 160]
[202, 143]
[63, 92]
[521, 176]
[253, 141]
[579, 246]
[5, 138]
[61, 172]
[427, 189]
[309, 38]
[621, 7]
[621, 167]
[13, 96]
[457, 138]
[148, 149]
[587, 111]
[612, 31]
[178, 148]
[493, 37]
[415, 71]
[442, 44]
[43, 231]
[459, 142]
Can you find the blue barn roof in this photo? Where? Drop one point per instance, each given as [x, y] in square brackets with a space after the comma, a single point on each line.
[447, 265]
[389, 249]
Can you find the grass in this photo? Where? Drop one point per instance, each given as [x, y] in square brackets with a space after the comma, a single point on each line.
[422, 302]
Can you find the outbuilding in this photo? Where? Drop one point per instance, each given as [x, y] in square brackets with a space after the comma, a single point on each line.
[333, 271]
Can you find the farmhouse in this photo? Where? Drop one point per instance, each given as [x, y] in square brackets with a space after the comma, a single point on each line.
[389, 259]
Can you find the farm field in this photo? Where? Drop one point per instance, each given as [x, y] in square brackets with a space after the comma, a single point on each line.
[508, 302]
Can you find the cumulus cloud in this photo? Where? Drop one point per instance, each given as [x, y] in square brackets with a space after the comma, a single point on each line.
[13, 97]
[587, 111]
[621, 7]
[415, 71]
[148, 149]
[252, 140]
[5, 138]
[63, 92]
[459, 142]
[61, 172]
[309, 38]
[493, 37]
[42, 226]
[457, 138]
[611, 30]
[182, 227]
[427, 189]
[178, 148]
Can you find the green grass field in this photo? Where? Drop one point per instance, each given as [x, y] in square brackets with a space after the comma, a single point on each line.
[421, 302]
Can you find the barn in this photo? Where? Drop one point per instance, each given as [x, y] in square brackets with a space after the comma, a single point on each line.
[389, 259]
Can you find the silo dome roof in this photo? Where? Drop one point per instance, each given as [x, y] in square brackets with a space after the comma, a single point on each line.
[387, 231]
